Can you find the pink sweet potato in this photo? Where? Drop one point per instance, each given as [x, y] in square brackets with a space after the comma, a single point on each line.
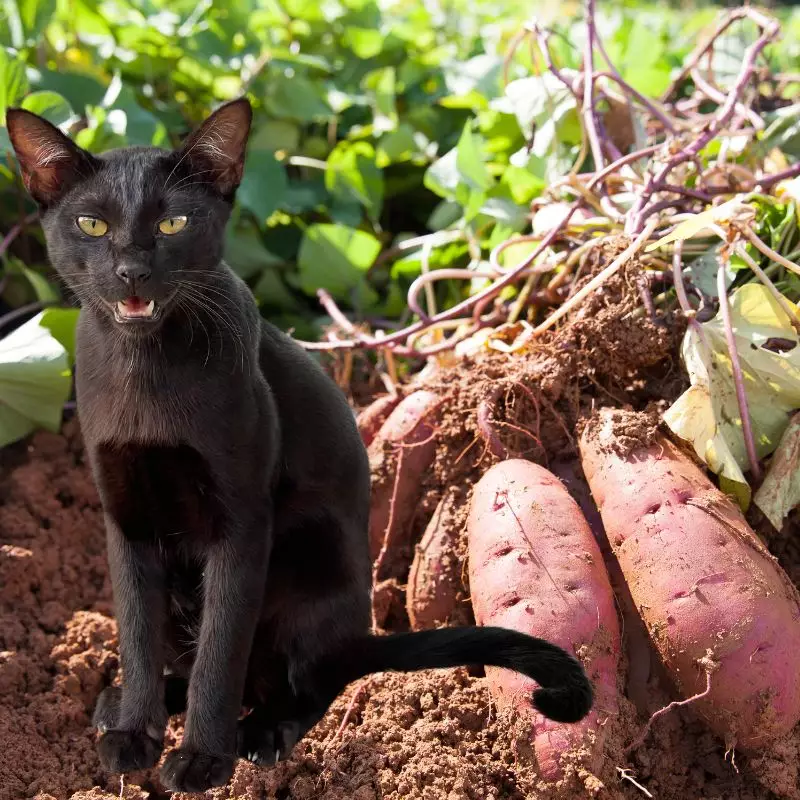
[399, 455]
[435, 594]
[713, 599]
[535, 567]
[371, 419]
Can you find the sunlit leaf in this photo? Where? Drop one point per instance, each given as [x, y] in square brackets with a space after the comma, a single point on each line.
[780, 491]
[13, 82]
[35, 381]
[353, 175]
[335, 257]
[62, 323]
[707, 414]
[50, 105]
[263, 188]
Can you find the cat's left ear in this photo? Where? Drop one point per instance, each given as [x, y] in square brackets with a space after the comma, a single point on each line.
[217, 148]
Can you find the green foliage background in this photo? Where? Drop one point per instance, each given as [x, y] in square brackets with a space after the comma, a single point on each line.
[374, 122]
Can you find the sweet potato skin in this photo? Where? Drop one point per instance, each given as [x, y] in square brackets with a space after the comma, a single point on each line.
[371, 419]
[535, 567]
[435, 594]
[401, 452]
[702, 581]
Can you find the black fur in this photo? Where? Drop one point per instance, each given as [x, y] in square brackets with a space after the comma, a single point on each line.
[234, 482]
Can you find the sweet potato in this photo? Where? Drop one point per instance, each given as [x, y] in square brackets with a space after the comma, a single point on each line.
[400, 453]
[714, 600]
[535, 566]
[371, 419]
[435, 593]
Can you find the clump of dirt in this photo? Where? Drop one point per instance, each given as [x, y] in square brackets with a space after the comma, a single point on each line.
[609, 352]
[631, 431]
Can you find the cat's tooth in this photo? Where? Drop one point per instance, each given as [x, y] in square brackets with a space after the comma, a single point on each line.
[151, 307]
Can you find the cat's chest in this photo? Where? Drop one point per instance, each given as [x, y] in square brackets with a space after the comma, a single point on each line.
[133, 405]
[159, 493]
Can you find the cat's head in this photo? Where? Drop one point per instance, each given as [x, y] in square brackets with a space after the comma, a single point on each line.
[138, 231]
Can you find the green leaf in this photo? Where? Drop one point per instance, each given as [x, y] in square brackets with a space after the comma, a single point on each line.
[246, 253]
[50, 105]
[78, 90]
[13, 82]
[783, 131]
[44, 290]
[34, 16]
[522, 185]
[276, 134]
[780, 491]
[461, 174]
[383, 82]
[35, 381]
[707, 414]
[106, 130]
[470, 161]
[62, 324]
[271, 291]
[702, 272]
[335, 257]
[353, 175]
[545, 109]
[506, 211]
[141, 127]
[650, 81]
[396, 146]
[442, 177]
[479, 76]
[364, 42]
[729, 52]
[296, 98]
[264, 185]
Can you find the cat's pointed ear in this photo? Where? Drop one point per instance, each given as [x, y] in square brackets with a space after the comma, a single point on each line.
[50, 162]
[216, 149]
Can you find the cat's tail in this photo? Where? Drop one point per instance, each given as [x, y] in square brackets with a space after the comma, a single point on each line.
[565, 693]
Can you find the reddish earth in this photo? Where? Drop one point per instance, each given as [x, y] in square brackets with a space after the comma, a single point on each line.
[430, 736]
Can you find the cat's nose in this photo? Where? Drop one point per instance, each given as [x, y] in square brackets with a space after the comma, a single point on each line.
[133, 274]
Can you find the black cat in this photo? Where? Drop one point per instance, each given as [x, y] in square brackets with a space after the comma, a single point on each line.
[234, 482]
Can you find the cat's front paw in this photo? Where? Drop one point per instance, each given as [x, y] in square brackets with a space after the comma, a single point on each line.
[106, 711]
[128, 751]
[188, 771]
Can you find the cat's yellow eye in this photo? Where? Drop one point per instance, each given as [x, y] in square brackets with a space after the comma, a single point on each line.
[93, 226]
[172, 225]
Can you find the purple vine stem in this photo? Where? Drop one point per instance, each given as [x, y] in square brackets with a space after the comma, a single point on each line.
[738, 376]
[451, 313]
[770, 30]
[657, 194]
[590, 117]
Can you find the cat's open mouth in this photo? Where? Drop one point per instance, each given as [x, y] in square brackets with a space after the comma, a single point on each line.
[135, 309]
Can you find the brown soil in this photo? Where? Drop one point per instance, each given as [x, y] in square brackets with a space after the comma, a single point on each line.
[429, 736]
